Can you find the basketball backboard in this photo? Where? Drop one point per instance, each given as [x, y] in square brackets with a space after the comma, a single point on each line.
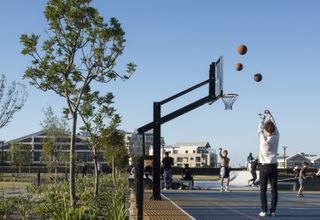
[219, 77]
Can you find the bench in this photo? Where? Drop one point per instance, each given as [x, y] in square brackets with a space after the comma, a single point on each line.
[180, 182]
[292, 185]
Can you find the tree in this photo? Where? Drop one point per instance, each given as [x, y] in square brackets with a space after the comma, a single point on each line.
[114, 147]
[20, 155]
[57, 130]
[80, 49]
[93, 112]
[12, 99]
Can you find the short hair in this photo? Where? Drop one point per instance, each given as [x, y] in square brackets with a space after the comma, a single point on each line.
[269, 127]
[167, 153]
[306, 163]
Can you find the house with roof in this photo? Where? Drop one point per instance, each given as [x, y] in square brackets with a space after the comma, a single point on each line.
[297, 160]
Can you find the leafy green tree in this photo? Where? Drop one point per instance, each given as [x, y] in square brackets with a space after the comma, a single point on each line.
[57, 131]
[20, 155]
[114, 147]
[93, 112]
[80, 49]
[12, 99]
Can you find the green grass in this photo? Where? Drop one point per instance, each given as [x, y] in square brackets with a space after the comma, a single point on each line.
[15, 185]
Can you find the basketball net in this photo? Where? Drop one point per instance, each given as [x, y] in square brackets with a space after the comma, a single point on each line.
[229, 99]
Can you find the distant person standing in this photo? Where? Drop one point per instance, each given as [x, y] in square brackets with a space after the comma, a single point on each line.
[302, 177]
[269, 141]
[167, 163]
[224, 170]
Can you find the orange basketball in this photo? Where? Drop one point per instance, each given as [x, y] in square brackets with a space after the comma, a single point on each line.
[242, 49]
[238, 66]
[257, 77]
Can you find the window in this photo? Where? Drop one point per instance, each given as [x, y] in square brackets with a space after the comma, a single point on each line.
[37, 156]
[198, 165]
[194, 151]
[191, 158]
[179, 159]
[185, 159]
[198, 159]
[186, 151]
[175, 151]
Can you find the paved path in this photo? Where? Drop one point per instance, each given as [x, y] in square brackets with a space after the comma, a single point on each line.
[205, 205]
[158, 210]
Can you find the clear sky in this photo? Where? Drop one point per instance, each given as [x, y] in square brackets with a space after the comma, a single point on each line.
[173, 43]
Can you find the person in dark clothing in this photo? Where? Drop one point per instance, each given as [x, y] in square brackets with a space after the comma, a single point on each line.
[187, 174]
[148, 174]
[167, 163]
[254, 165]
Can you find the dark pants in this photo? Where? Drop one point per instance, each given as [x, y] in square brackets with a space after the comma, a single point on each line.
[254, 176]
[268, 172]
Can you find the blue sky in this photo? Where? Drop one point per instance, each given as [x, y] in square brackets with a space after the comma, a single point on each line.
[173, 43]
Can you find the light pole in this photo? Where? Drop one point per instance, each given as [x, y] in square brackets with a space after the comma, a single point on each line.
[284, 158]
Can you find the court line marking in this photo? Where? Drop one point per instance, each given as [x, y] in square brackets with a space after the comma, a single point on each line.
[178, 207]
[238, 212]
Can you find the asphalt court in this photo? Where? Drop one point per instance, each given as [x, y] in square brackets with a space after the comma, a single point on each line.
[238, 205]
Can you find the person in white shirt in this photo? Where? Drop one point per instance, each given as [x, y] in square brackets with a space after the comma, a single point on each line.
[269, 141]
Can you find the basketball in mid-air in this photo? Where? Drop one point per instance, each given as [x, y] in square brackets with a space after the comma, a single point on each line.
[238, 66]
[257, 77]
[242, 49]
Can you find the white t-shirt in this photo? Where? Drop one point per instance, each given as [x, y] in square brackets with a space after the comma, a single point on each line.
[268, 144]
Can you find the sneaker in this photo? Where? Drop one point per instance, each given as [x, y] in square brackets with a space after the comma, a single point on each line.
[227, 190]
[273, 214]
[263, 214]
[221, 190]
[164, 188]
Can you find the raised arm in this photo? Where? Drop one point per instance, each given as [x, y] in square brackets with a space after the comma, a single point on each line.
[271, 116]
[261, 132]
[220, 150]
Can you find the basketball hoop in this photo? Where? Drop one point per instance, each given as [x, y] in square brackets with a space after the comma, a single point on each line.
[229, 99]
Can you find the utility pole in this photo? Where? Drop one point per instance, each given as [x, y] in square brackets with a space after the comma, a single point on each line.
[284, 158]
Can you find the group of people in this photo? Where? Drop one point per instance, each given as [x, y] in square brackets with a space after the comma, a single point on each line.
[269, 140]
[267, 161]
[167, 164]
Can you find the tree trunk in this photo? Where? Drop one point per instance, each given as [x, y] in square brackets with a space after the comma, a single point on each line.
[72, 161]
[96, 174]
[113, 173]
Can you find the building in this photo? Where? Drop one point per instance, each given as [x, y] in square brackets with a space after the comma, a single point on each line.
[298, 160]
[196, 154]
[36, 140]
[133, 142]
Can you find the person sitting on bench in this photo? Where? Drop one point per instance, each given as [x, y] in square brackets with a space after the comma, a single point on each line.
[187, 174]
